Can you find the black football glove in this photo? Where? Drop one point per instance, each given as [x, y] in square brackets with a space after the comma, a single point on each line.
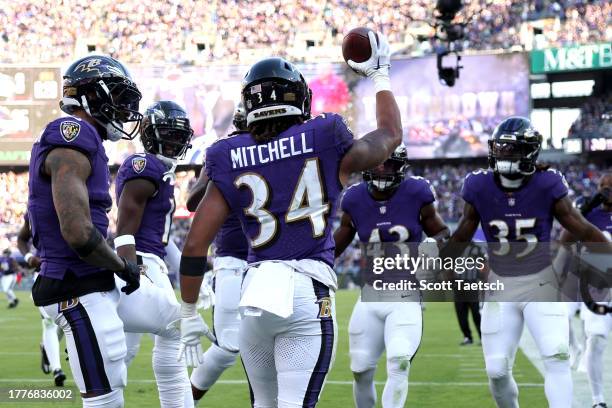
[131, 275]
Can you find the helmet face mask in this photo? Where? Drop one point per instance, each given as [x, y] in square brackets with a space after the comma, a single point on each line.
[390, 174]
[272, 88]
[514, 147]
[103, 88]
[165, 130]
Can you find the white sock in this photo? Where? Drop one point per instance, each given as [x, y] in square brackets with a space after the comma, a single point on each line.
[596, 345]
[396, 388]
[51, 343]
[171, 375]
[10, 295]
[216, 361]
[364, 391]
[558, 382]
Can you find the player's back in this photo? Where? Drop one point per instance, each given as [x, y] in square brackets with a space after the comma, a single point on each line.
[284, 189]
[519, 221]
[156, 223]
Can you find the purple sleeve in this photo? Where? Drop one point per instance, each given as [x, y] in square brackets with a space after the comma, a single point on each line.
[559, 186]
[140, 166]
[343, 136]
[467, 191]
[216, 171]
[427, 193]
[72, 133]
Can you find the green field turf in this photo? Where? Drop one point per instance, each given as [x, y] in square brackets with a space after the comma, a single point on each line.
[443, 374]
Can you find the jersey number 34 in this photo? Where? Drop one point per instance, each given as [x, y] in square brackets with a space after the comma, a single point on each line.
[306, 203]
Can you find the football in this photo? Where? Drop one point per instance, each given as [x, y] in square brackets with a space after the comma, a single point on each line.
[356, 45]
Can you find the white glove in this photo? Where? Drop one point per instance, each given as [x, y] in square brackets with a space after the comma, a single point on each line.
[192, 328]
[377, 66]
[207, 295]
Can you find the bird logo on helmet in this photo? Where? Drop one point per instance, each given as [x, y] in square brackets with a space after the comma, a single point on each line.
[389, 175]
[103, 88]
[514, 147]
[165, 131]
[273, 87]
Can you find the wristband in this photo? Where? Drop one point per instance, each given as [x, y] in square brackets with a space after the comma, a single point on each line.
[124, 240]
[95, 238]
[192, 265]
[188, 309]
[381, 80]
[27, 257]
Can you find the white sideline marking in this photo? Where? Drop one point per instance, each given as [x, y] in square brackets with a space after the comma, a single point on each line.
[331, 382]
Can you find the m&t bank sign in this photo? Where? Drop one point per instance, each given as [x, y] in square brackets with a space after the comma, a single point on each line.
[583, 57]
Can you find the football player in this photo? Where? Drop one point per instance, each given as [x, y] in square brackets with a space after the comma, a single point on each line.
[386, 207]
[67, 205]
[51, 335]
[230, 262]
[8, 269]
[597, 326]
[283, 179]
[515, 202]
[145, 202]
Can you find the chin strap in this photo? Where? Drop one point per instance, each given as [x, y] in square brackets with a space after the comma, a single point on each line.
[510, 183]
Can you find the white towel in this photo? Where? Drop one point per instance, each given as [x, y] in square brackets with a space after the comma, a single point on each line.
[270, 287]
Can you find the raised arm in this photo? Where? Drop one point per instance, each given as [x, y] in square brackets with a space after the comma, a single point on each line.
[344, 234]
[461, 238]
[197, 191]
[376, 146]
[131, 208]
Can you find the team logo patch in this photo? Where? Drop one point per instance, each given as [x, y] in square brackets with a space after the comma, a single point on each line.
[67, 304]
[325, 309]
[139, 164]
[383, 209]
[70, 130]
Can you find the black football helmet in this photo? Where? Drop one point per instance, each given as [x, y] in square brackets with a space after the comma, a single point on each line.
[165, 130]
[389, 175]
[103, 87]
[514, 147]
[239, 119]
[272, 88]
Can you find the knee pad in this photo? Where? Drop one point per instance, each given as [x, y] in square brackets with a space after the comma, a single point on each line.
[220, 357]
[555, 348]
[597, 343]
[229, 339]
[362, 361]
[498, 366]
[113, 399]
[399, 348]
[398, 365]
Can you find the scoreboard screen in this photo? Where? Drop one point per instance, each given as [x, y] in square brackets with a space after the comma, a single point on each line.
[28, 101]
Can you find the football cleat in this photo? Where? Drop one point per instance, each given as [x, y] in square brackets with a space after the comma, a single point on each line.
[44, 360]
[13, 304]
[59, 377]
[466, 342]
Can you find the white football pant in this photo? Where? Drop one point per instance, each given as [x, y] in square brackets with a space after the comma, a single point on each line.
[222, 354]
[375, 327]
[7, 282]
[597, 328]
[96, 346]
[50, 339]
[502, 326]
[287, 359]
[153, 308]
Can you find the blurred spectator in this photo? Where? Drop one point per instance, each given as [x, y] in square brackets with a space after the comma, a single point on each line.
[185, 30]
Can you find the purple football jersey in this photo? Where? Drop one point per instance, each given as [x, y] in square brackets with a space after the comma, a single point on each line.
[154, 231]
[601, 219]
[230, 240]
[56, 255]
[284, 190]
[6, 265]
[394, 220]
[522, 218]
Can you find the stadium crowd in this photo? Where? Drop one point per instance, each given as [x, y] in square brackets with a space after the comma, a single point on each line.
[446, 180]
[177, 31]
